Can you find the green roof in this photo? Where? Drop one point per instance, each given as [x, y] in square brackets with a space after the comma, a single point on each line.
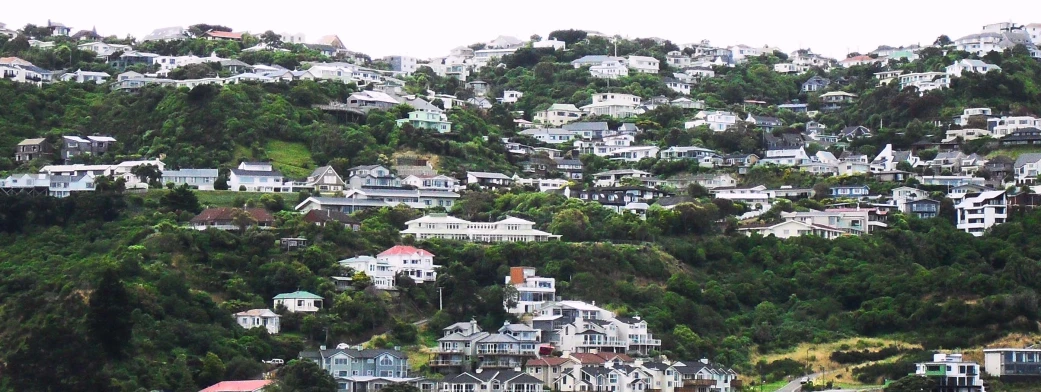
[298, 295]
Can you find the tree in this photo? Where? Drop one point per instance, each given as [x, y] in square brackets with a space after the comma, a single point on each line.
[943, 40]
[149, 174]
[221, 184]
[305, 376]
[181, 198]
[912, 383]
[571, 224]
[697, 190]
[212, 370]
[243, 219]
[569, 37]
[270, 38]
[109, 317]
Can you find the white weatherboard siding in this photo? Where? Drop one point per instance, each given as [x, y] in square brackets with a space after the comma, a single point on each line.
[507, 230]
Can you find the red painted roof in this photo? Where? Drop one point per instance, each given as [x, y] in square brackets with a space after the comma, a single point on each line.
[238, 386]
[609, 356]
[224, 34]
[587, 358]
[404, 250]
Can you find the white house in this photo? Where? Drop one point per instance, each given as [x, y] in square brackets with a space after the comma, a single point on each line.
[972, 66]
[299, 301]
[978, 212]
[716, 120]
[925, 81]
[511, 96]
[255, 177]
[609, 69]
[507, 230]
[950, 372]
[532, 290]
[786, 157]
[678, 86]
[105, 50]
[643, 64]
[412, 262]
[549, 43]
[485, 180]
[616, 108]
[549, 135]
[325, 179]
[259, 318]
[201, 179]
[437, 182]
[558, 114]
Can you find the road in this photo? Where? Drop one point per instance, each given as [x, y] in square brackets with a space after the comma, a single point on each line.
[796, 384]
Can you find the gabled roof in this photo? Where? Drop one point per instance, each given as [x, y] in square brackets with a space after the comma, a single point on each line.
[257, 313]
[238, 386]
[1026, 158]
[488, 175]
[586, 126]
[588, 358]
[548, 361]
[224, 34]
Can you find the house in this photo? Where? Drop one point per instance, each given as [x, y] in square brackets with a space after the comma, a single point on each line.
[174, 33]
[321, 217]
[1012, 363]
[434, 182]
[65, 185]
[571, 168]
[614, 177]
[30, 149]
[368, 100]
[255, 177]
[815, 83]
[486, 180]
[925, 81]
[1027, 168]
[854, 191]
[413, 198]
[763, 122]
[58, 29]
[550, 369]
[623, 198]
[227, 218]
[299, 301]
[456, 350]
[703, 376]
[256, 318]
[81, 76]
[858, 60]
[325, 179]
[716, 120]
[427, 120]
[361, 370]
[791, 68]
[922, 208]
[73, 146]
[222, 36]
[715, 180]
[978, 212]
[609, 69]
[835, 100]
[532, 290]
[633, 153]
[786, 157]
[201, 179]
[510, 96]
[558, 114]
[491, 380]
[371, 176]
[507, 230]
[949, 372]
[999, 168]
[693, 152]
[972, 66]
[616, 107]
[580, 328]
[855, 221]
[643, 64]
[549, 135]
[239, 386]
[855, 132]
[700, 73]
[412, 262]
[1006, 125]
[1022, 136]
[904, 194]
[678, 86]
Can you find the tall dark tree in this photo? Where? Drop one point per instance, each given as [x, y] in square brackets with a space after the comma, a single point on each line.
[568, 36]
[109, 315]
[305, 376]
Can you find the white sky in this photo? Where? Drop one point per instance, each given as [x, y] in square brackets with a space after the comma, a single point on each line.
[431, 28]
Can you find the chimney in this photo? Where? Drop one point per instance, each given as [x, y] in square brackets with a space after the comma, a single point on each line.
[322, 347]
[479, 370]
[517, 275]
[704, 361]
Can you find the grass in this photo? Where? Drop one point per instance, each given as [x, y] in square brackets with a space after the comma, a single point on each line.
[773, 386]
[1013, 152]
[223, 198]
[818, 356]
[292, 159]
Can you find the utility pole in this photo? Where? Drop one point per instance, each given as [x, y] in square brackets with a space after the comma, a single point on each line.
[440, 300]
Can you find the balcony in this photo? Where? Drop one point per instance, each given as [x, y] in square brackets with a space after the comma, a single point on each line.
[737, 384]
[645, 342]
[699, 383]
[500, 364]
[495, 351]
[609, 342]
[446, 362]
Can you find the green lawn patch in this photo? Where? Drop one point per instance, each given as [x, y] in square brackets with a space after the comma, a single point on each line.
[291, 158]
[1014, 152]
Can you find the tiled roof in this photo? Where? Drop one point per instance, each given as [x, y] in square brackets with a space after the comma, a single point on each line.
[548, 361]
[238, 386]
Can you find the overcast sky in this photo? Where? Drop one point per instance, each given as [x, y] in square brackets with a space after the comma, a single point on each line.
[431, 28]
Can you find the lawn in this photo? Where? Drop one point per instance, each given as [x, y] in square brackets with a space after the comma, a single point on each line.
[292, 159]
[1013, 152]
[223, 198]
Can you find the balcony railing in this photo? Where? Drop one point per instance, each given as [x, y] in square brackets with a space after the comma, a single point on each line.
[646, 342]
[499, 364]
[482, 351]
[699, 383]
[446, 362]
[609, 342]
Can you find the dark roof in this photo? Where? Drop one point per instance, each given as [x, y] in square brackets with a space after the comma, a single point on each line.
[262, 173]
[586, 126]
[655, 365]
[629, 320]
[674, 200]
[226, 213]
[548, 361]
[488, 375]
[317, 216]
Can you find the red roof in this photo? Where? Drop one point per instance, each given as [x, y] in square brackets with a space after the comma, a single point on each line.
[588, 359]
[404, 250]
[548, 361]
[238, 386]
[858, 59]
[224, 34]
[609, 356]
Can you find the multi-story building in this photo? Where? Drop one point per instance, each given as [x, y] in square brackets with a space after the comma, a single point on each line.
[491, 380]
[427, 120]
[510, 348]
[978, 212]
[299, 301]
[532, 290]
[643, 64]
[255, 177]
[372, 176]
[558, 114]
[457, 348]
[30, 149]
[854, 221]
[580, 327]
[1013, 363]
[951, 373]
[412, 262]
[403, 64]
[366, 370]
[436, 182]
[73, 146]
[693, 152]
[201, 179]
[507, 230]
